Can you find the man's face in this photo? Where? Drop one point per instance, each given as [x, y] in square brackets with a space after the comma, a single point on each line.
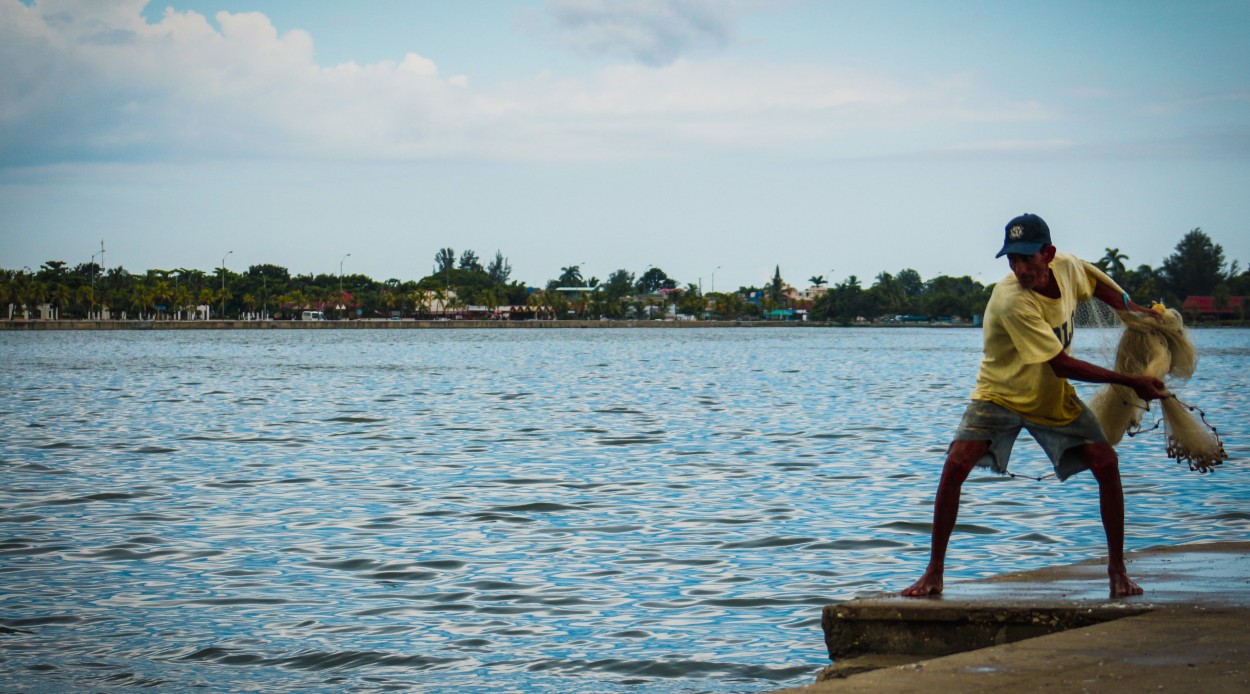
[1032, 271]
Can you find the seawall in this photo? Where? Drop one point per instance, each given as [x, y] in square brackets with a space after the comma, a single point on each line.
[18, 325]
[365, 324]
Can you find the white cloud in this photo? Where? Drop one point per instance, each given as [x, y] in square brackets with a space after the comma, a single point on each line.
[634, 110]
[653, 32]
[94, 80]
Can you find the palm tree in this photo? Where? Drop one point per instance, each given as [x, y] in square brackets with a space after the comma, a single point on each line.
[692, 302]
[161, 291]
[250, 302]
[767, 304]
[393, 296]
[36, 292]
[181, 299]
[535, 301]
[222, 295]
[8, 289]
[729, 306]
[571, 276]
[455, 302]
[61, 295]
[207, 298]
[193, 280]
[85, 297]
[440, 298]
[420, 300]
[1112, 263]
[295, 300]
[334, 297]
[141, 297]
[555, 302]
[818, 281]
[598, 304]
[492, 300]
[389, 299]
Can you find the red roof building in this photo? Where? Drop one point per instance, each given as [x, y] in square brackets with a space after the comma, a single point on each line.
[1204, 307]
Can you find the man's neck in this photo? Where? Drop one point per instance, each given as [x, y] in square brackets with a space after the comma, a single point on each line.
[1052, 287]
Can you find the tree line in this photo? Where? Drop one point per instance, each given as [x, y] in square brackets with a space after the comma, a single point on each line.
[457, 282]
[1196, 267]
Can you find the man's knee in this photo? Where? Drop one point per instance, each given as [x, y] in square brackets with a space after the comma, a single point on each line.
[962, 456]
[1100, 458]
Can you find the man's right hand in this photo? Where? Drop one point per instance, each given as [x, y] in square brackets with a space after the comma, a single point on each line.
[1149, 388]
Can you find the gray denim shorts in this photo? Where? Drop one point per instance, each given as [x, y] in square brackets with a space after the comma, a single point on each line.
[986, 421]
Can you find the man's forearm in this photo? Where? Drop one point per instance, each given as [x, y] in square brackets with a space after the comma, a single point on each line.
[1069, 367]
[1146, 387]
[1116, 299]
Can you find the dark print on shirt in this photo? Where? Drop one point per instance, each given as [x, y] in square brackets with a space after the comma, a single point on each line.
[1064, 332]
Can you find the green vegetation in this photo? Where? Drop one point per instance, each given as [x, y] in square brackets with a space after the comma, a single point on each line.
[462, 286]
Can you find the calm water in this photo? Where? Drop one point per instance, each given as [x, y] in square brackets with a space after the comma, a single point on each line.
[581, 510]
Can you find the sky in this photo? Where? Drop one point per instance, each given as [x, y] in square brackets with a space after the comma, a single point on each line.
[714, 139]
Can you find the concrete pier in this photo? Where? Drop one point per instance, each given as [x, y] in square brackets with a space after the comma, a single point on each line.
[1055, 629]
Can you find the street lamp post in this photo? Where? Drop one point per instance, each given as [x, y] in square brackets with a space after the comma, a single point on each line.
[93, 255]
[585, 296]
[714, 280]
[25, 306]
[223, 284]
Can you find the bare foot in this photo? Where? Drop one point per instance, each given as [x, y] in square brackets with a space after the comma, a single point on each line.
[929, 584]
[1123, 586]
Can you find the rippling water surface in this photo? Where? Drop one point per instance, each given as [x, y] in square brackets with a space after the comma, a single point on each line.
[452, 510]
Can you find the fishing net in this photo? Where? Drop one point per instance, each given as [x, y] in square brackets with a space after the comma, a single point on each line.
[1160, 348]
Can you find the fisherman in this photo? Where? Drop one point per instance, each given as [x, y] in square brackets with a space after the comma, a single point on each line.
[1023, 382]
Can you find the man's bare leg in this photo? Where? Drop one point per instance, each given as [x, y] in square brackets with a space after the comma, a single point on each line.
[960, 460]
[1104, 465]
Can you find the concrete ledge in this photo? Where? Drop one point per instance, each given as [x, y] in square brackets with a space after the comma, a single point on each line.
[1169, 650]
[868, 628]
[1056, 628]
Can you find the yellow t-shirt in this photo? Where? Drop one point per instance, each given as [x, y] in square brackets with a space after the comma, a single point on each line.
[1024, 330]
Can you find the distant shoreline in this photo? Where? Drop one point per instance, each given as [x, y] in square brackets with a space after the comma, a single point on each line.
[44, 325]
[20, 325]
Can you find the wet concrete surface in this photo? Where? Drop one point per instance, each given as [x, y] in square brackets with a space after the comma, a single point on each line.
[1056, 629]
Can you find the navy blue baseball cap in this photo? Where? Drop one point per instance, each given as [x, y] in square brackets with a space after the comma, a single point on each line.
[1025, 235]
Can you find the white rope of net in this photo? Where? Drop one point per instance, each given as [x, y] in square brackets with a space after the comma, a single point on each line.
[1160, 348]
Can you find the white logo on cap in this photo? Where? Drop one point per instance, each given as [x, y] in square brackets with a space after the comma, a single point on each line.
[1015, 233]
